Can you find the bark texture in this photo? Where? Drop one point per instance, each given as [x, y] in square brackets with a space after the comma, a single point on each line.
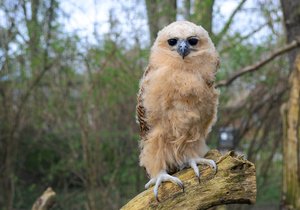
[234, 182]
[291, 14]
[291, 143]
[291, 112]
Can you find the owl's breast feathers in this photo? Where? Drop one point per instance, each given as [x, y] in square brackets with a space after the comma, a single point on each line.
[165, 88]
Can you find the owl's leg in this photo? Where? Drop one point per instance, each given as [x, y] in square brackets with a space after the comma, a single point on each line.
[194, 161]
[163, 177]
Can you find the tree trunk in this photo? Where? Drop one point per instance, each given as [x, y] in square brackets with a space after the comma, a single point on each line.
[291, 143]
[187, 9]
[203, 12]
[291, 14]
[235, 182]
[160, 14]
[291, 112]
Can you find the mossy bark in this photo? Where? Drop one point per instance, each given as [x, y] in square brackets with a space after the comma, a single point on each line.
[234, 182]
[291, 143]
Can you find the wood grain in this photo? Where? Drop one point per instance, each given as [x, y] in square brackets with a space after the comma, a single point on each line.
[234, 182]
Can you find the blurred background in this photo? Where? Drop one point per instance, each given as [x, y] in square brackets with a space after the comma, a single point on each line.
[69, 75]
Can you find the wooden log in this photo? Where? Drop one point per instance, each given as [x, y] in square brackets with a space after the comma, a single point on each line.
[234, 183]
[45, 201]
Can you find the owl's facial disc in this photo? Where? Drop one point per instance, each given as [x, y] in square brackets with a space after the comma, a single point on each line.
[183, 48]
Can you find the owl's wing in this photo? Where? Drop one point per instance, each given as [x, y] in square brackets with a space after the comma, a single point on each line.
[140, 109]
[211, 80]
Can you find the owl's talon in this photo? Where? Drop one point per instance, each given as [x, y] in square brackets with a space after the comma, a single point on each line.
[163, 177]
[150, 183]
[180, 185]
[213, 166]
[194, 166]
[193, 163]
[156, 198]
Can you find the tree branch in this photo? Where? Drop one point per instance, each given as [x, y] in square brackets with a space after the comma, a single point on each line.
[240, 39]
[228, 23]
[294, 44]
[46, 66]
[235, 182]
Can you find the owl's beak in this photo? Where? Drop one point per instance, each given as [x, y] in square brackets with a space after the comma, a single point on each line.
[183, 48]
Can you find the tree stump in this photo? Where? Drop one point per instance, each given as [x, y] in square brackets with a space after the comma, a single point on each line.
[234, 182]
[45, 201]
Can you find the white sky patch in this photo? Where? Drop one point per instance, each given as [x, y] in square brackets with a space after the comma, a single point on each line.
[2, 19]
[90, 18]
[84, 17]
[248, 19]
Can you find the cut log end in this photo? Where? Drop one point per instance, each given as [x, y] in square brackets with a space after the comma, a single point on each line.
[234, 183]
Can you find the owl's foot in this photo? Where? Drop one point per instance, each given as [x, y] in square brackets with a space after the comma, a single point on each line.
[193, 163]
[163, 177]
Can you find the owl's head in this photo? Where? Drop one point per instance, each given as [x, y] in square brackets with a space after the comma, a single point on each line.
[182, 42]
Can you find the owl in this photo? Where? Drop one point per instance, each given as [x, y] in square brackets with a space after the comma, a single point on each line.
[177, 103]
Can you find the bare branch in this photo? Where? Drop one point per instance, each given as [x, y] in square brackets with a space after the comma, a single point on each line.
[240, 39]
[36, 81]
[254, 67]
[235, 182]
[228, 23]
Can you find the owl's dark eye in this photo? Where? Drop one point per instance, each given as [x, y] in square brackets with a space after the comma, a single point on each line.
[193, 41]
[172, 42]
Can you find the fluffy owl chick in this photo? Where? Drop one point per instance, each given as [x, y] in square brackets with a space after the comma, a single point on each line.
[177, 102]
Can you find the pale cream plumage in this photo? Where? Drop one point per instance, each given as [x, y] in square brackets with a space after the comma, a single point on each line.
[177, 102]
